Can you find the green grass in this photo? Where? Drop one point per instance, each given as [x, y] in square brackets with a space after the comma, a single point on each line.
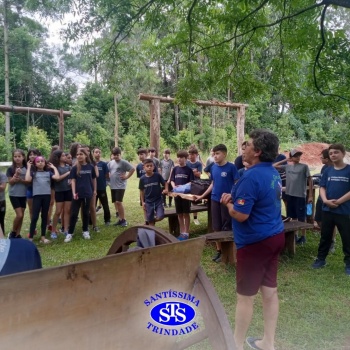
[314, 305]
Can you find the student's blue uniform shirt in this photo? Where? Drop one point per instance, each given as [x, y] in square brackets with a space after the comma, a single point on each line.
[102, 172]
[196, 165]
[140, 171]
[257, 193]
[224, 178]
[336, 183]
[151, 187]
[181, 175]
[84, 185]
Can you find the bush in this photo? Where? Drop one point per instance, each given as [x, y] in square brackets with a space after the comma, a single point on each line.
[36, 138]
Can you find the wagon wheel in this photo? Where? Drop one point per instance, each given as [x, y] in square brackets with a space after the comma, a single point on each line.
[129, 236]
[217, 328]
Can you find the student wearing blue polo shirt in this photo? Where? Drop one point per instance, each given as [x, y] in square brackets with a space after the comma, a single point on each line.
[255, 206]
[335, 194]
[223, 175]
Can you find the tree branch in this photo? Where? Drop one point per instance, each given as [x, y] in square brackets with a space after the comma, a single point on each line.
[248, 15]
[131, 23]
[189, 21]
[342, 3]
[317, 59]
[261, 26]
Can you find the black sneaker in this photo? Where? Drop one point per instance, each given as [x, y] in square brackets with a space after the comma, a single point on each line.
[98, 208]
[318, 264]
[217, 256]
[11, 235]
[118, 223]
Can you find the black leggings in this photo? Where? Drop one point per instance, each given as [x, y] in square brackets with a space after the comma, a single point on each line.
[84, 204]
[41, 203]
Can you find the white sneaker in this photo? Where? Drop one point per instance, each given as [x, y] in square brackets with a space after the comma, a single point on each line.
[86, 235]
[68, 238]
[196, 222]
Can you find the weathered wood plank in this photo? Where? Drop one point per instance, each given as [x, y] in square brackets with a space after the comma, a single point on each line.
[97, 304]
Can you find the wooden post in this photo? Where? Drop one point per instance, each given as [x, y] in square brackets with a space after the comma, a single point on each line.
[154, 106]
[240, 127]
[61, 129]
[116, 126]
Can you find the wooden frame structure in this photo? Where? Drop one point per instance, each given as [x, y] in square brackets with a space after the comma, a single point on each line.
[60, 113]
[154, 106]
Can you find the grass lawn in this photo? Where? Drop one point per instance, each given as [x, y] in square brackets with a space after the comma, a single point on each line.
[314, 305]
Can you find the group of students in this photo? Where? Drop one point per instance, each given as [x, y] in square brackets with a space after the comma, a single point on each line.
[74, 181]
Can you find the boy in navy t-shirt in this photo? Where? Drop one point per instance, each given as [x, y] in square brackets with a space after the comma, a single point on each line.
[197, 168]
[335, 194]
[151, 191]
[182, 175]
[101, 181]
[223, 175]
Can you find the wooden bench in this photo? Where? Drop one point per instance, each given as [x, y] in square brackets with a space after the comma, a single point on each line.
[228, 247]
[173, 221]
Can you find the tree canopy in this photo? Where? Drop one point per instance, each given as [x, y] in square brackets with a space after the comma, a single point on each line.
[287, 59]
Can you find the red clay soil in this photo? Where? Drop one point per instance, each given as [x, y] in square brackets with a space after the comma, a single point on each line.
[312, 153]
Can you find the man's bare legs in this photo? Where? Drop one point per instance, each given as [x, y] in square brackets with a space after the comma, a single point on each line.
[244, 313]
[270, 312]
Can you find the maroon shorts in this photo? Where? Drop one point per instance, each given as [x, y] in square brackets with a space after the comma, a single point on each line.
[257, 265]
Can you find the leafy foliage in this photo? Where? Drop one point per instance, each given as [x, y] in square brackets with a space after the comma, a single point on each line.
[36, 138]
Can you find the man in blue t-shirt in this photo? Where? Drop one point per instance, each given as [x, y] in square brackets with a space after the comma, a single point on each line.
[223, 175]
[255, 206]
[335, 194]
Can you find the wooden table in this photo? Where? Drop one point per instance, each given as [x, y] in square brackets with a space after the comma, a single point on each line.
[173, 221]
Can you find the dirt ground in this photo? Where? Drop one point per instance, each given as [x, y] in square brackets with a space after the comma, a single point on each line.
[312, 154]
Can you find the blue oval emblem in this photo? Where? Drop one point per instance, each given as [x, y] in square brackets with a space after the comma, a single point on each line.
[173, 313]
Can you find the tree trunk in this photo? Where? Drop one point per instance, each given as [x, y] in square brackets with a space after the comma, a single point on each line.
[201, 127]
[116, 129]
[7, 85]
[176, 112]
